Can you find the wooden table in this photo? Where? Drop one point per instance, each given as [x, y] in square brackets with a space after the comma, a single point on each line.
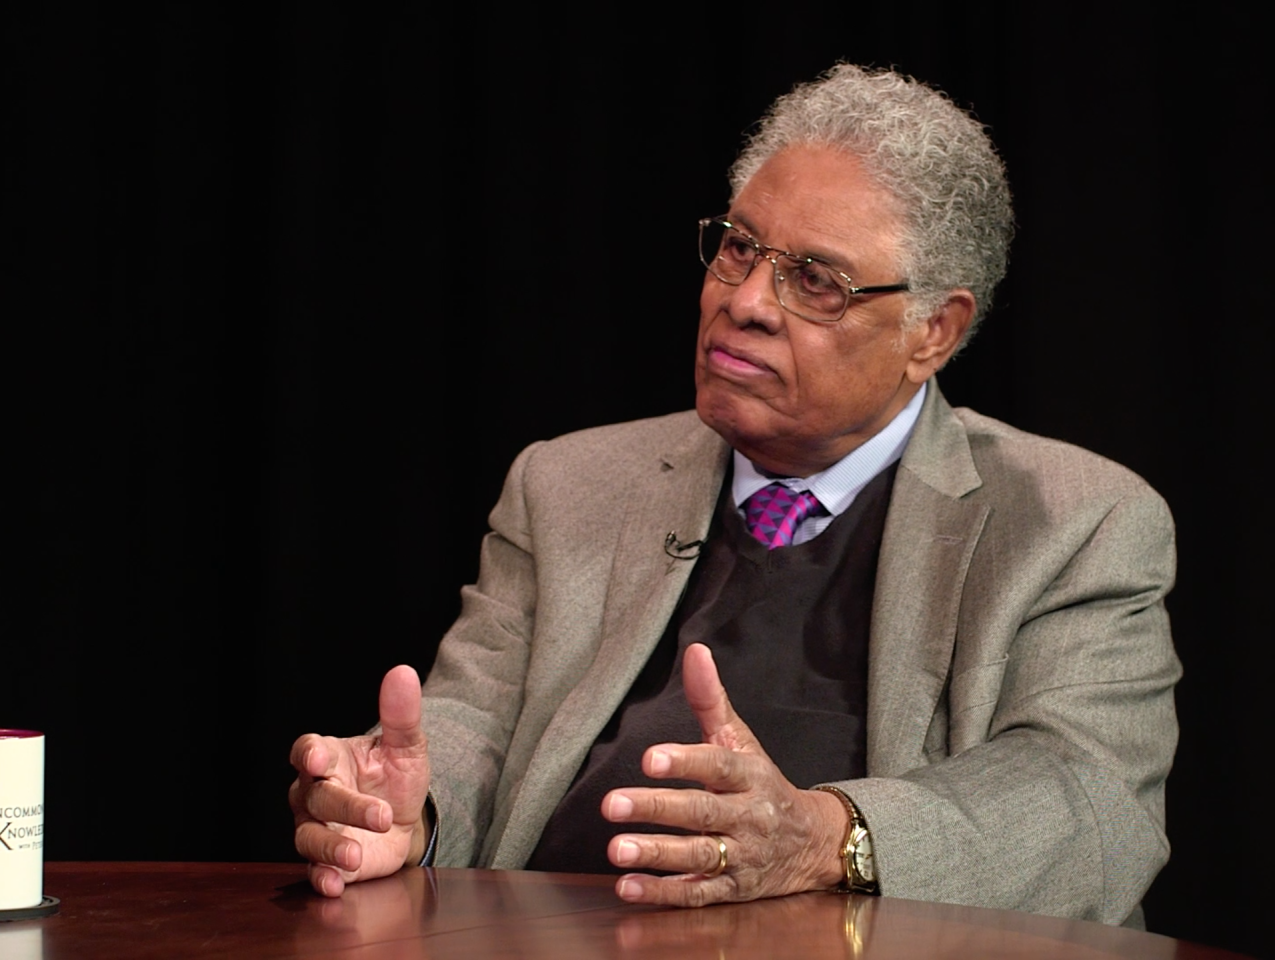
[138, 911]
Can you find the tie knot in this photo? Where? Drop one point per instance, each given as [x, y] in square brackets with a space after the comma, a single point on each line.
[774, 512]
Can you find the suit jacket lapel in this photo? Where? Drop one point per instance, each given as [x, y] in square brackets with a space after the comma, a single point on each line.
[930, 535]
[645, 585]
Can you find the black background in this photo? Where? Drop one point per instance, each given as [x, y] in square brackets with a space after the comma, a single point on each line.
[287, 287]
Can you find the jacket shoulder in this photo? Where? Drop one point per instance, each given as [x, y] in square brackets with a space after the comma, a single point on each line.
[615, 449]
[1006, 455]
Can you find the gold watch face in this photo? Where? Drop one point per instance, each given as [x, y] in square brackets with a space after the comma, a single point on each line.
[863, 862]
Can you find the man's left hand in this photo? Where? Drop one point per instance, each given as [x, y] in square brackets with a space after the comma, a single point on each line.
[779, 839]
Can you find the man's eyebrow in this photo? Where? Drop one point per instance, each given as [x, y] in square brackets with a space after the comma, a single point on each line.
[740, 220]
[836, 260]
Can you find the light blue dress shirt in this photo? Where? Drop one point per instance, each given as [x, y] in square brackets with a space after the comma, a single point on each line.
[837, 486]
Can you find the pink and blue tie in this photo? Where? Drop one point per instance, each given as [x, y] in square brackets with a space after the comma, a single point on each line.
[774, 512]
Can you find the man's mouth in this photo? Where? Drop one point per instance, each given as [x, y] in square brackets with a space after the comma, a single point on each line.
[721, 360]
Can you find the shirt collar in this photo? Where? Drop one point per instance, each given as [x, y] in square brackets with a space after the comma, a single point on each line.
[837, 486]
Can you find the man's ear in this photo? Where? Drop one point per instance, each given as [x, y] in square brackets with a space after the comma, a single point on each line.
[940, 336]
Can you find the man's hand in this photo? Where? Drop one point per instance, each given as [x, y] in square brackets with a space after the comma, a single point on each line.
[359, 802]
[779, 839]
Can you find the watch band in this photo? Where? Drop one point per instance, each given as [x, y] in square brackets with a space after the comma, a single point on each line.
[856, 849]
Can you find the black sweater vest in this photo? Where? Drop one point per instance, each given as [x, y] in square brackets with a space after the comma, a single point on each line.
[789, 633]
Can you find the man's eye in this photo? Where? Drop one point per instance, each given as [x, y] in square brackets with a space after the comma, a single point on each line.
[737, 249]
[816, 280]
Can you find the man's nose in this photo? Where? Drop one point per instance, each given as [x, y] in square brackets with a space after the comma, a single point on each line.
[754, 301]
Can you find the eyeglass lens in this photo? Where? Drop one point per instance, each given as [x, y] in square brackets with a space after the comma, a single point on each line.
[806, 287]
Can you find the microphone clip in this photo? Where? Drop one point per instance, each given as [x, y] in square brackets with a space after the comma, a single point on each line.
[678, 550]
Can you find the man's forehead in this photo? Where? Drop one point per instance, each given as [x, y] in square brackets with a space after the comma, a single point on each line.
[818, 201]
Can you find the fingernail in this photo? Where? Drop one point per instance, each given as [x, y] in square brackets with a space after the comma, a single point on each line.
[621, 807]
[626, 852]
[629, 889]
[344, 852]
[375, 817]
[660, 761]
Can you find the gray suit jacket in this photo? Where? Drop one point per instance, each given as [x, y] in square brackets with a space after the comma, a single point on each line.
[1020, 711]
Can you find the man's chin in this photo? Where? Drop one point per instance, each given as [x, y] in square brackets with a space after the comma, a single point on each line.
[734, 426]
[720, 414]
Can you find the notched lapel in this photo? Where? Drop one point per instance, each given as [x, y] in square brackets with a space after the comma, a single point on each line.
[929, 539]
[678, 495]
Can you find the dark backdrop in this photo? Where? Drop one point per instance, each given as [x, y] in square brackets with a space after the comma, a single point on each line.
[288, 287]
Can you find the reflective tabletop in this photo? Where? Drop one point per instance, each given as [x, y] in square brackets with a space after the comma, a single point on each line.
[140, 911]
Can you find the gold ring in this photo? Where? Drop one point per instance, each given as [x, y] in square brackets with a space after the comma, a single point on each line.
[721, 857]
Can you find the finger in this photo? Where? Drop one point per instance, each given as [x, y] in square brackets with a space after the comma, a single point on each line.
[716, 767]
[708, 701]
[330, 802]
[326, 880]
[324, 846]
[645, 851]
[313, 756]
[400, 706]
[695, 810]
[296, 796]
[689, 890]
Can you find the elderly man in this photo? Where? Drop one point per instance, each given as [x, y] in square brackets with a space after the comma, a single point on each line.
[944, 641]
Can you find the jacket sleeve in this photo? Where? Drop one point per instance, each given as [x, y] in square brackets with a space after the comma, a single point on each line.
[1046, 793]
[474, 693]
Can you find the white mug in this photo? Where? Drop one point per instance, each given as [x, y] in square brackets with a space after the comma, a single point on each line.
[21, 818]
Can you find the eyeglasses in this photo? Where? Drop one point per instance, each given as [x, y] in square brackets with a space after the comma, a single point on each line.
[808, 287]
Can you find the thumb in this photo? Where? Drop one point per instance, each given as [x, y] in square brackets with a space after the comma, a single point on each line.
[400, 707]
[718, 720]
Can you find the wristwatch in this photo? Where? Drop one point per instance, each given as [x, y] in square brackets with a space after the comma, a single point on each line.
[856, 851]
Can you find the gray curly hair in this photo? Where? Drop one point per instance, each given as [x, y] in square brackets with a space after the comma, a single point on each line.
[935, 159]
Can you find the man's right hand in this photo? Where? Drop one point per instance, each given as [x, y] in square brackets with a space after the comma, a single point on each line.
[359, 802]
